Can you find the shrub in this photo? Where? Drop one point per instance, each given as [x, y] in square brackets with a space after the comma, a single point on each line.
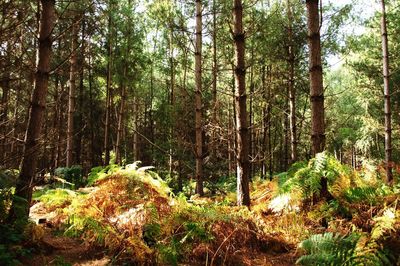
[7, 183]
[71, 174]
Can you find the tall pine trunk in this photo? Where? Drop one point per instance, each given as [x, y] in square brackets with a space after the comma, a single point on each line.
[291, 87]
[242, 131]
[71, 95]
[109, 84]
[5, 84]
[118, 158]
[26, 181]
[386, 88]
[214, 120]
[316, 81]
[198, 101]
[316, 88]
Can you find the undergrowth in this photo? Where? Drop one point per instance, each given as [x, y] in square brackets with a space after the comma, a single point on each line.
[132, 213]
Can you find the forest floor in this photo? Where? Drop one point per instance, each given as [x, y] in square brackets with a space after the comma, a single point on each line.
[61, 250]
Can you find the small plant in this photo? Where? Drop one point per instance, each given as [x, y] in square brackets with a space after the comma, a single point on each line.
[60, 261]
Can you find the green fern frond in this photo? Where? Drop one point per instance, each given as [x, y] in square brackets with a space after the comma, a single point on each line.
[355, 249]
[328, 249]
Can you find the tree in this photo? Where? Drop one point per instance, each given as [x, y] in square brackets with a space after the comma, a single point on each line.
[71, 94]
[316, 88]
[291, 87]
[386, 89]
[198, 100]
[26, 181]
[109, 85]
[242, 131]
[316, 80]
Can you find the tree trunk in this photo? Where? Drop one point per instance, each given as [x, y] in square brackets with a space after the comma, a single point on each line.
[171, 95]
[79, 148]
[316, 88]
[92, 149]
[55, 122]
[120, 126]
[109, 84]
[214, 121]
[118, 159]
[135, 128]
[23, 192]
[242, 131]
[388, 113]
[5, 84]
[198, 101]
[286, 136]
[292, 89]
[269, 127]
[265, 123]
[251, 119]
[316, 81]
[71, 95]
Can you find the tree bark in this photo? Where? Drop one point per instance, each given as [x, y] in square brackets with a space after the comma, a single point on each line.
[5, 84]
[135, 128]
[118, 159]
[198, 101]
[242, 131]
[71, 95]
[265, 123]
[386, 89]
[214, 121]
[316, 80]
[109, 84]
[292, 89]
[23, 192]
[316, 88]
[251, 119]
[120, 126]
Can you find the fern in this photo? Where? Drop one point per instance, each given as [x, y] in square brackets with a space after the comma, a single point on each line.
[384, 224]
[328, 249]
[307, 178]
[355, 249]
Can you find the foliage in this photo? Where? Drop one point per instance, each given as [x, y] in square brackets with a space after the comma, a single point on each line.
[7, 184]
[122, 202]
[55, 198]
[133, 213]
[331, 249]
[308, 179]
[11, 244]
[369, 194]
[8, 237]
[303, 181]
[328, 249]
[354, 249]
[71, 174]
[100, 172]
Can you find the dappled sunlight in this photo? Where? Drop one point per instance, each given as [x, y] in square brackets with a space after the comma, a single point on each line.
[283, 204]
